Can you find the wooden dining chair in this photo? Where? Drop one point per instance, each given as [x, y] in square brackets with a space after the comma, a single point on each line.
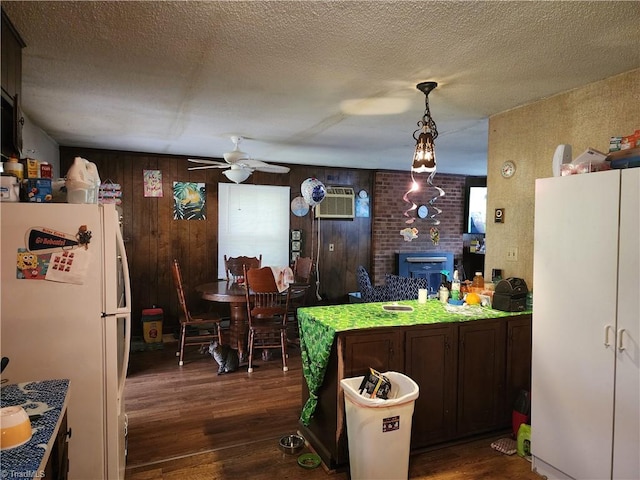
[302, 273]
[267, 313]
[302, 270]
[234, 266]
[195, 329]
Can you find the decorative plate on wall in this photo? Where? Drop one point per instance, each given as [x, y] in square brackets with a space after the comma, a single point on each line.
[299, 207]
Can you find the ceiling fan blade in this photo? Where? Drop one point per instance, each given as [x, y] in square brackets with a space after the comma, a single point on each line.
[234, 156]
[272, 169]
[262, 166]
[207, 167]
[209, 162]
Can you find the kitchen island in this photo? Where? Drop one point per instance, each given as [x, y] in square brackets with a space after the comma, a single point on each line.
[469, 362]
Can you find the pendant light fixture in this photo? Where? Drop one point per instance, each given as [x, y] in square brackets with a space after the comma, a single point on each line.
[424, 161]
[424, 157]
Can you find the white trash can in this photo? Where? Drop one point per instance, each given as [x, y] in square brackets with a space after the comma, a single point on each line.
[379, 431]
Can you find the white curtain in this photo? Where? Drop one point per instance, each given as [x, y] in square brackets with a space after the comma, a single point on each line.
[253, 220]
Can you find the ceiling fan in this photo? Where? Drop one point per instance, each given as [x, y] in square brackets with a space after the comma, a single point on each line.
[240, 166]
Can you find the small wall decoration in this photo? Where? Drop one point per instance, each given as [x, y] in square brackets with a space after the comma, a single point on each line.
[409, 233]
[152, 180]
[110, 192]
[189, 201]
[362, 204]
[434, 233]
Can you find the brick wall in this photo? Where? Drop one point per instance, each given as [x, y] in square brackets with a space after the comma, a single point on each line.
[388, 218]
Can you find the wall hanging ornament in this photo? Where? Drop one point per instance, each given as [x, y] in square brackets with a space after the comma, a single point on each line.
[424, 158]
[434, 233]
[409, 233]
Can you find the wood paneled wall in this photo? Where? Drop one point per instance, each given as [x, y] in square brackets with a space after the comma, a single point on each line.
[153, 238]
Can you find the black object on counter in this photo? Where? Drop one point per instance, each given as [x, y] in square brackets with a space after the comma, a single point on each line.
[510, 295]
[3, 365]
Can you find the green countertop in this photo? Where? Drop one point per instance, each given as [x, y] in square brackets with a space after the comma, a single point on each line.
[319, 325]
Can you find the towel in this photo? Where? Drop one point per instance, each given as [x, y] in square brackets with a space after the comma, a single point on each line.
[283, 277]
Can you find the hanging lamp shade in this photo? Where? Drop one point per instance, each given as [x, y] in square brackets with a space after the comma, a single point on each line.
[424, 156]
[237, 175]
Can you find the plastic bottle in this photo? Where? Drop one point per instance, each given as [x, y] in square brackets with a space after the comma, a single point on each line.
[78, 182]
[14, 167]
[455, 286]
[478, 281]
[443, 294]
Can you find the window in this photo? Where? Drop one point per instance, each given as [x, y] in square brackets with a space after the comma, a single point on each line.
[253, 220]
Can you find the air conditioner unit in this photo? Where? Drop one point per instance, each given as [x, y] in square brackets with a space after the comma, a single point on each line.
[339, 202]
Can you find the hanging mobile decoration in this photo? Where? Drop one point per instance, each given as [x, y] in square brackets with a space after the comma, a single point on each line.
[407, 213]
[435, 235]
[424, 157]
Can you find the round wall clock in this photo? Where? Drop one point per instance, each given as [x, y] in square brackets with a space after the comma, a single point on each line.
[423, 211]
[363, 194]
[508, 169]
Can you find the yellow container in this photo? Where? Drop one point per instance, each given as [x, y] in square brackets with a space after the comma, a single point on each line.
[152, 325]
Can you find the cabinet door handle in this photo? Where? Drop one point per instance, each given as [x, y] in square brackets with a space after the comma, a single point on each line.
[621, 347]
[606, 335]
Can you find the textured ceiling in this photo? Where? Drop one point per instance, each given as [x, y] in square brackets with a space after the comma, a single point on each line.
[308, 82]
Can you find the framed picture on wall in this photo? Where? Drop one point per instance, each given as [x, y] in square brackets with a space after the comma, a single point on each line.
[295, 246]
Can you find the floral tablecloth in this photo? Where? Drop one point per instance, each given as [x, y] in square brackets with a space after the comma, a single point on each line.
[318, 327]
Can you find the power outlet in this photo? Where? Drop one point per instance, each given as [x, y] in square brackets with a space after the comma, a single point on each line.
[512, 254]
[331, 247]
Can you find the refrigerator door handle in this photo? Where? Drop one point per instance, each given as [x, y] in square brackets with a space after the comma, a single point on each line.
[607, 329]
[125, 359]
[125, 271]
[621, 346]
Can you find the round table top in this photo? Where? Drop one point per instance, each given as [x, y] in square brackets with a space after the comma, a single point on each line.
[223, 291]
[231, 292]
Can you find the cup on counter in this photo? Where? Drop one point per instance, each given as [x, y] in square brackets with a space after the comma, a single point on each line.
[422, 295]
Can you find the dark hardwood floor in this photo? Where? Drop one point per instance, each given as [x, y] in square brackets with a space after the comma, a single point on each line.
[189, 423]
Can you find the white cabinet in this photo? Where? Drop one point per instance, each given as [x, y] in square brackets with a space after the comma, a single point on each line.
[586, 326]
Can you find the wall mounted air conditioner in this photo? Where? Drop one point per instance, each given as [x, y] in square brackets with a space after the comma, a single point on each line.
[339, 202]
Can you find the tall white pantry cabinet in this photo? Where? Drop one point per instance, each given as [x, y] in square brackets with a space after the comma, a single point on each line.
[585, 394]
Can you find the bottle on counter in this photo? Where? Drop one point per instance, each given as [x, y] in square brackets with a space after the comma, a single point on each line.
[478, 281]
[455, 286]
[443, 293]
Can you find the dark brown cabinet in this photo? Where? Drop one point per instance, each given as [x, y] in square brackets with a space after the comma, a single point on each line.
[518, 363]
[431, 361]
[480, 375]
[469, 374]
[57, 467]
[11, 68]
[364, 349]
[12, 45]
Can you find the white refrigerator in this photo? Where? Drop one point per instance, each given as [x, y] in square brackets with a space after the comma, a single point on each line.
[585, 398]
[66, 313]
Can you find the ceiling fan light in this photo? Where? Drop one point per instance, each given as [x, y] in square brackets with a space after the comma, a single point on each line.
[237, 175]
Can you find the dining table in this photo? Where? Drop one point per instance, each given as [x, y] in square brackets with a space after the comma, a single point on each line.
[233, 293]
